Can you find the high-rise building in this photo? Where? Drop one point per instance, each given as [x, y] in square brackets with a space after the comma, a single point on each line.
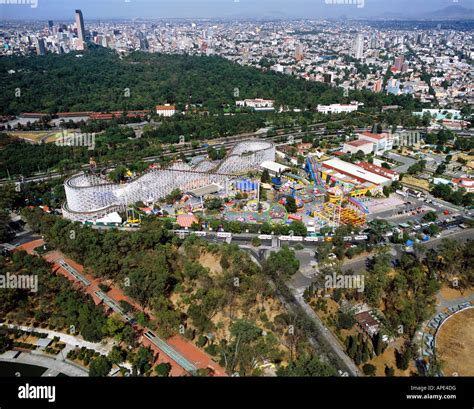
[41, 48]
[359, 47]
[327, 77]
[144, 46]
[299, 55]
[50, 24]
[373, 41]
[377, 86]
[81, 32]
[398, 63]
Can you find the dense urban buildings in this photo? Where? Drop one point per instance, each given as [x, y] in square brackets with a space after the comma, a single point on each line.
[431, 64]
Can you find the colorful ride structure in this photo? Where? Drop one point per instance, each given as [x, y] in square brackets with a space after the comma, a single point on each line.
[339, 207]
[312, 168]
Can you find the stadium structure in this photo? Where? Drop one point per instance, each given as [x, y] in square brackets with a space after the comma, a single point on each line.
[90, 197]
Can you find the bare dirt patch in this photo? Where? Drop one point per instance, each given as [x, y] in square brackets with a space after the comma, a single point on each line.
[212, 262]
[449, 293]
[455, 344]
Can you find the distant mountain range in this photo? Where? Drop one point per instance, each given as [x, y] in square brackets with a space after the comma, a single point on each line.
[448, 13]
[452, 13]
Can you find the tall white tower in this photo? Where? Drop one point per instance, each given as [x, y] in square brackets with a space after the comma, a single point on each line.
[359, 47]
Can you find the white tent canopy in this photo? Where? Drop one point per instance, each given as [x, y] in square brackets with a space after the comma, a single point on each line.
[110, 218]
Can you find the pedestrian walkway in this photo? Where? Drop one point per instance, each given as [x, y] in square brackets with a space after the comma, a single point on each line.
[72, 340]
[53, 365]
[189, 352]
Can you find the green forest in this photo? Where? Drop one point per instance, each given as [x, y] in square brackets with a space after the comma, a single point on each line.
[60, 306]
[230, 311]
[101, 80]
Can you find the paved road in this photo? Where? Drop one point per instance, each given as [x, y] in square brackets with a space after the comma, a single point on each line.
[331, 339]
[461, 235]
[406, 162]
[187, 151]
[336, 347]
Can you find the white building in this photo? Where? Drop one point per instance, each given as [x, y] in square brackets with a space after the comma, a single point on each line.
[381, 142]
[358, 49]
[337, 108]
[274, 168]
[354, 171]
[465, 183]
[166, 110]
[257, 104]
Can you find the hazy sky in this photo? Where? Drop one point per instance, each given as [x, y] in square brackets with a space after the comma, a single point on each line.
[93, 9]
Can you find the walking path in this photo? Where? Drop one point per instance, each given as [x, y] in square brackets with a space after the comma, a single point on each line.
[180, 346]
[53, 365]
[101, 348]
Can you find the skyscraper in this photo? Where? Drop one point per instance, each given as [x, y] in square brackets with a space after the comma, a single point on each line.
[398, 63]
[373, 41]
[359, 47]
[41, 48]
[143, 41]
[299, 54]
[80, 30]
[377, 86]
[50, 24]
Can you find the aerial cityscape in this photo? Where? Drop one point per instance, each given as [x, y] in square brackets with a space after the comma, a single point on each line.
[256, 191]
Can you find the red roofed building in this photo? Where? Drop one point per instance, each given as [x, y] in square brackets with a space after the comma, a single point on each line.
[117, 114]
[379, 170]
[465, 183]
[166, 110]
[367, 323]
[382, 141]
[186, 220]
[358, 145]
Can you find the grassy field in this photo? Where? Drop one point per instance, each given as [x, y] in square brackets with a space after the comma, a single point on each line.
[38, 136]
[455, 344]
[415, 182]
[33, 136]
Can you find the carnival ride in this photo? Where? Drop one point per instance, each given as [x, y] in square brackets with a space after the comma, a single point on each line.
[89, 196]
[340, 207]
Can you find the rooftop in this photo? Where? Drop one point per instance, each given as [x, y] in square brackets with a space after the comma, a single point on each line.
[166, 107]
[359, 142]
[355, 171]
[205, 190]
[274, 166]
[378, 136]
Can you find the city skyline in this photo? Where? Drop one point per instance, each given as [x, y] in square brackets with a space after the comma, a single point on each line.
[232, 9]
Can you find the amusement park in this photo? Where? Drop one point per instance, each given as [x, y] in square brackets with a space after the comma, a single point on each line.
[247, 186]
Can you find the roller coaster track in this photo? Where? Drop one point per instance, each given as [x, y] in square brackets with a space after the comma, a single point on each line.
[91, 196]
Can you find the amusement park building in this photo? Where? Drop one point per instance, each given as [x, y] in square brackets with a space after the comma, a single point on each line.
[274, 168]
[357, 173]
[358, 145]
[379, 170]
